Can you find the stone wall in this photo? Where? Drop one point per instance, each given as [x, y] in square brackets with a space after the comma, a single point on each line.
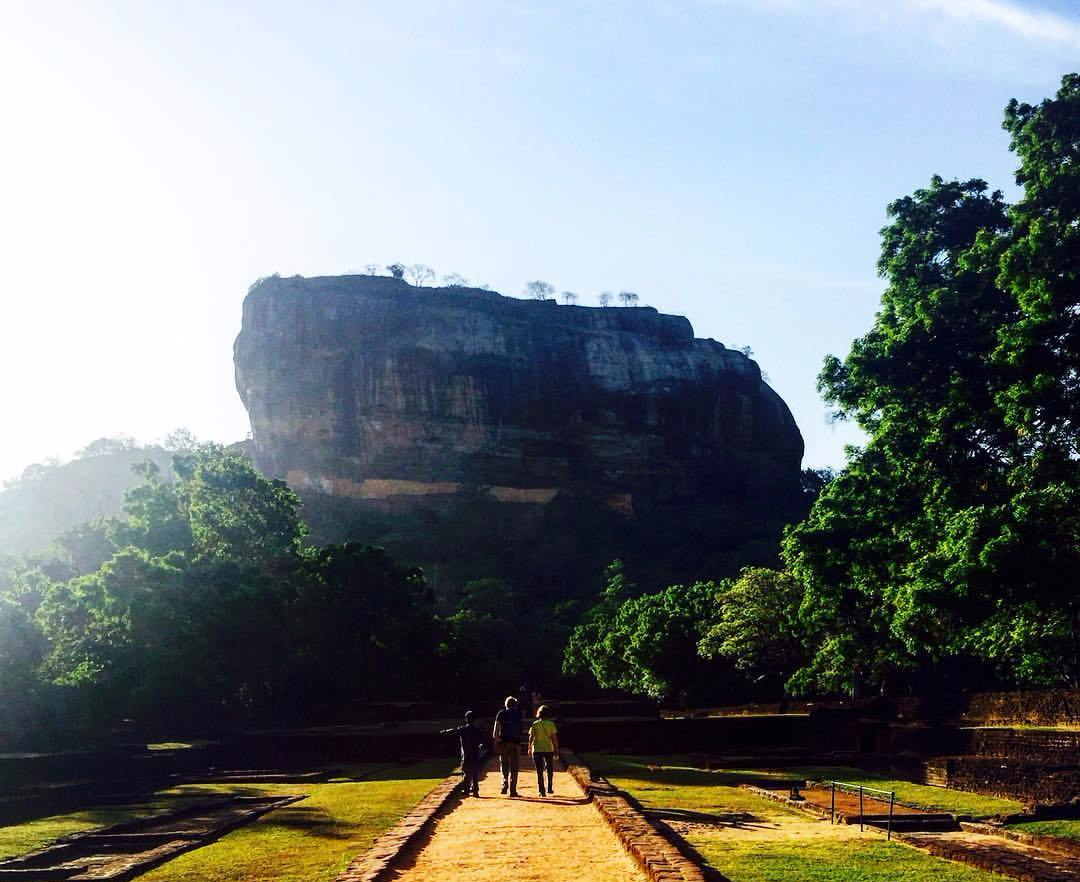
[1036, 708]
[1024, 744]
[1029, 782]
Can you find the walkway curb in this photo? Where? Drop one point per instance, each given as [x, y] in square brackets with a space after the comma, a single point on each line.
[374, 864]
[657, 856]
[1018, 865]
[801, 805]
[1038, 840]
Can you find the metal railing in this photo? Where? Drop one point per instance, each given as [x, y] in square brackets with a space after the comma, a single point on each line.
[846, 787]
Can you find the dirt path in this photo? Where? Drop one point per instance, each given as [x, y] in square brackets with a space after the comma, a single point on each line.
[528, 839]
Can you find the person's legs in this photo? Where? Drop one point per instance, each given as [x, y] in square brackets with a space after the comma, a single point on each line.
[509, 764]
[470, 771]
[538, 761]
[504, 764]
[515, 765]
[542, 761]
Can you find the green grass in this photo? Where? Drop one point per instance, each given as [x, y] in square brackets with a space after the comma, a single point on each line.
[17, 839]
[922, 795]
[861, 860]
[679, 785]
[680, 770]
[1065, 829]
[310, 840]
[772, 843]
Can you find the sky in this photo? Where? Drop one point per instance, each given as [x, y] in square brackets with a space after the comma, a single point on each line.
[729, 160]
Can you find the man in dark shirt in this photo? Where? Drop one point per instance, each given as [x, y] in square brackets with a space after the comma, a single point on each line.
[472, 742]
[507, 735]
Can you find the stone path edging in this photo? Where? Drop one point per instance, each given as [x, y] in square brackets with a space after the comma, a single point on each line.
[1003, 859]
[374, 864]
[98, 845]
[1003, 863]
[801, 805]
[657, 856]
[1039, 840]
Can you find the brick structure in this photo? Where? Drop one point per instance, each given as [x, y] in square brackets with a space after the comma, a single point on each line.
[658, 856]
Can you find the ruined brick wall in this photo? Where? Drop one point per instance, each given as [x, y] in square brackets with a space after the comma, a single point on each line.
[1046, 708]
[1024, 744]
[1029, 782]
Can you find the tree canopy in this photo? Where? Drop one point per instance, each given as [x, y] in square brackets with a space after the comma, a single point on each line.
[202, 603]
[943, 555]
[950, 541]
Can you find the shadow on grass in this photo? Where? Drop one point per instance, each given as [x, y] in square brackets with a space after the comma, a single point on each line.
[427, 768]
[642, 770]
[721, 819]
[311, 821]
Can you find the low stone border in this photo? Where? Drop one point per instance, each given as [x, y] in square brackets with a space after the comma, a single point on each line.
[1069, 847]
[67, 852]
[776, 796]
[994, 859]
[660, 859]
[374, 864]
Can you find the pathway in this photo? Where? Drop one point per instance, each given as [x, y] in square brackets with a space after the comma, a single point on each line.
[528, 839]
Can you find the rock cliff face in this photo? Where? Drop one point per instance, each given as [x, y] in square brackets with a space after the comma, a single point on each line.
[366, 389]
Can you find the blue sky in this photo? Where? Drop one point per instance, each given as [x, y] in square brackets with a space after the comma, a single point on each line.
[730, 161]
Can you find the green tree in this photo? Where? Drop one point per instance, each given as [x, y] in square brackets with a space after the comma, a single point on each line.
[237, 514]
[592, 647]
[155, 515]
[952, 534]
[22, 650]
[756, 624]
[363, 626]
[646, 644]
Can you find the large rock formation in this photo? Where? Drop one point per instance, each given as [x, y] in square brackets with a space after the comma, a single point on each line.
[367, 389]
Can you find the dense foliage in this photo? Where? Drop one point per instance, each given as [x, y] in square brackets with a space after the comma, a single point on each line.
[949, 544]
[944, 555]
[639, 644]
[204, 606]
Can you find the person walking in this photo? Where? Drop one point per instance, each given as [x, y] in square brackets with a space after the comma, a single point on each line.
[472, 743]
[544, 747]
[507, 737]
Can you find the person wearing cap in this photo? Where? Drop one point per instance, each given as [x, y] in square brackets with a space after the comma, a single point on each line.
[472, 743]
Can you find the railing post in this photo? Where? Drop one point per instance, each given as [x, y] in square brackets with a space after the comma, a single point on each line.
[860, 809]
[832, 807]
[892, 800]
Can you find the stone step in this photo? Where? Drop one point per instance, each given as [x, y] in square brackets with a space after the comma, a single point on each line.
[40, 874]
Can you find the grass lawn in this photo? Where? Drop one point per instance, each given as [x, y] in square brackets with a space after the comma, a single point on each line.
[922, 795]
[853, 860]
[310, 840]
[17, 839]
[770, 842]
[1066, 829]
[936, 798]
